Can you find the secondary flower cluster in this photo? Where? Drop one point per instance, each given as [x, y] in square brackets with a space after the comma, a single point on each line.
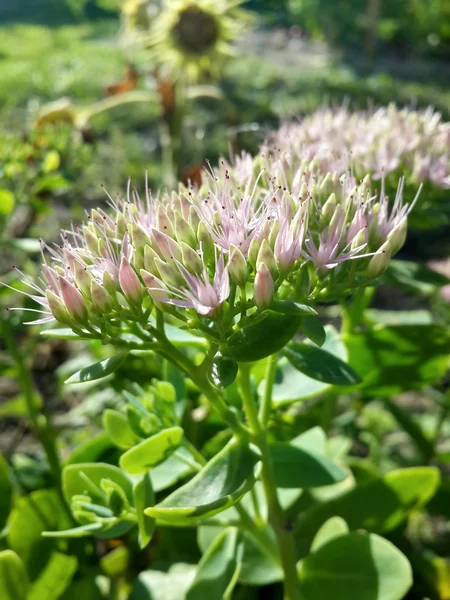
[378, 142]
[230, 248]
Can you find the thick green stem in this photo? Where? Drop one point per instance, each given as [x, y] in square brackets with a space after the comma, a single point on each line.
[280, 526]
[266, 404]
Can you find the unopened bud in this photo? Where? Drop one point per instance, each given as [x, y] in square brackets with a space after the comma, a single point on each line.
[73, 300]
[397, 236]
[184, 231]
[253, 250]
[379, 262]
[57, 307]
[109, 283]
[264, 287]
[191, 260]
[328, 209]
[167, 248]
[149, 260]
[100, 297]
[155, 287]
[82, 278]
[237, 266]
[129, 282]
[265, 256]
[91, 240]
[163, 222]
[169, 275]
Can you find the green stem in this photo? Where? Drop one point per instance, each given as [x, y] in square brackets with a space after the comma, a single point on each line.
[282, 531]
[258, 534]
[266, 404]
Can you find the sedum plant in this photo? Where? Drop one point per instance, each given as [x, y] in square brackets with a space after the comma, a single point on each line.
[223, 283]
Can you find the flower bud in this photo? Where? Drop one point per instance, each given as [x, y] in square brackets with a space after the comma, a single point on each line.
[57, 307]
[304, 192]
[274, 230]
[169, 275]
[184, 231]
[109, 283]
[155, 287]
[82, 279]
[100, 297]
[129, 282]
[51, 276]
[253, 250]
[205, 240]
[379, 262]
[328, 209]
[265, 256]
[139, 237]
[193, 219]
[163, 222]
[326, 186]
[149, 260]
[264, 287]
[121, 224]
[397, 236]
[73, 300]
[165, 246]
[191, 260]
[237, 266]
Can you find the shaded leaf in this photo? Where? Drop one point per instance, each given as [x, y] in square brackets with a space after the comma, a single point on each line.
[152, 451]
[261, 339]
[363, 566]
[218, 569]
[55, 578]
[379, 505]
[313, 329]
[320, 364]
[331, 529]
[13, 577]
[220, 484]
[98, 370]
[296, 467]
[143, 497]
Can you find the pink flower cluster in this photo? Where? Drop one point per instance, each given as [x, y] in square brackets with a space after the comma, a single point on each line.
[383, 141]
[245, 238]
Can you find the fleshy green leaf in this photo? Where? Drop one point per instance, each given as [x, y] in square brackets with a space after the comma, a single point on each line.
[152, 451]
[313, 329]
[331, 529]
[258, 566]
[296, 467]
[91, 450]
[218, 569]
[320, 364]
[392, 359]
[98, 370]
[6, 491]
[13, 577]
[64, 333]
[379, 505]
[414, 276]
[26, 525]
[220, 484]
[143, 497]
[74, 532]
[115, 563]
[261, 339]
[118, 429]
[363, 566]
[172, 470]
[85, 478]
[159, 585]
[55, 578]
[223, 371]
[288, 307]
[292, 386]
